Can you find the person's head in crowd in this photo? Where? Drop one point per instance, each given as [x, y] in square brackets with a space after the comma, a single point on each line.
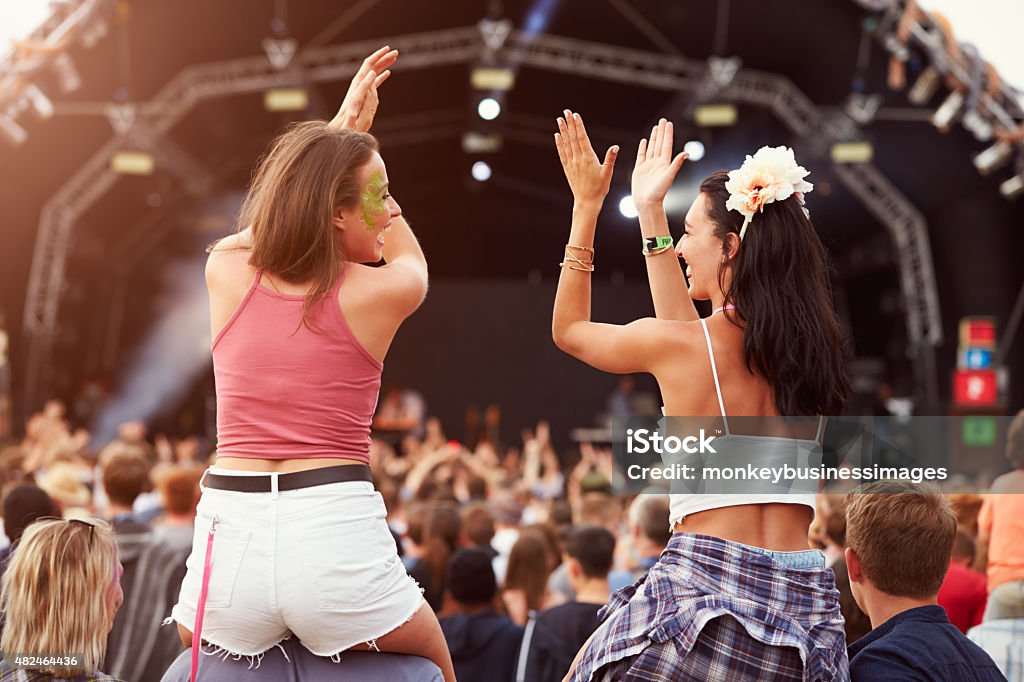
[589, 553]
[899, 543]
[125, 477]
[61, 591]
[476, 486]
[600, 509]
[648, 523]
[12, 458]
[391, 491]
[963, 549]
[179, 491]
[470, 580]
[967, 506]
[560, 514]
[477, 525]
[596, 483]
[63, 483]
[441, 539]
[23, 505]
[552, 541]
[415, 525]
[508, 510]
[529, 566]
[1015, 441]
[834, 532]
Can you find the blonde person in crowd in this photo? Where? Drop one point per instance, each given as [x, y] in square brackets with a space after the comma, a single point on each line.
[291, 536]
[736, 582]
[59, 597]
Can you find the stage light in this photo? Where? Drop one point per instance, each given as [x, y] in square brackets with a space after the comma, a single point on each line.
[132, 163]
[492, 78]
[489, 108]
[286, 99]
[694, 149]
[1012, 187]
[924, 87]
[14, 133]
[67, 75]
[481, 171]
[627, 208]
[710, 115]
[993, 158]
[479, 143]
[852, 152]
[949, 111]
[40, 102]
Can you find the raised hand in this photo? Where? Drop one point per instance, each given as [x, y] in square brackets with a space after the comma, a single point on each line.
[655, 168]
[588, 178]
[361, 101]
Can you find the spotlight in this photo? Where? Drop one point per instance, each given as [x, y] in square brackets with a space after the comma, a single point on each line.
[627, 208]
[1012, 187]
[862, 108]
[492, 78]
[852, 152]
[948, 111]
[695, 150]
[715, 115]
[924, 87]
[480, 143]
[286, 99]
[40, 102]
[14, 133]
[481, 171]
[67, 74]
[993, 158]
[489, 108]
[132, 163]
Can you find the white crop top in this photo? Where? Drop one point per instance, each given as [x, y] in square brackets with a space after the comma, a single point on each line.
[739, 449]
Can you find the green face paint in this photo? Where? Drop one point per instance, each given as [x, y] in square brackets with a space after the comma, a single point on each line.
[373, 200]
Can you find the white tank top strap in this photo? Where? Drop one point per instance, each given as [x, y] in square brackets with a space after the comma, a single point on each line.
[714, 373]
[821, 427]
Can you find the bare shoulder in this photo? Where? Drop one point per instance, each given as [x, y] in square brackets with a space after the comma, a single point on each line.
[228, 262]
[395, 285]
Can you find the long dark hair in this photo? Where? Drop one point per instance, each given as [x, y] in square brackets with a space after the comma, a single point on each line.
[780, 288]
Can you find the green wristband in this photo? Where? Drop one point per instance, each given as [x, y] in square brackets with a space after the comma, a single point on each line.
[656, 243]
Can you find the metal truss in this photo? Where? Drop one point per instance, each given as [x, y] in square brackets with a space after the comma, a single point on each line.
[452, 46]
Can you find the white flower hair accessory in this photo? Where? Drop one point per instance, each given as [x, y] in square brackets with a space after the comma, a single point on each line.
[772, 174]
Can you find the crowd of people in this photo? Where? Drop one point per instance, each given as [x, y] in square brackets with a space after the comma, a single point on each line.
[517, 549]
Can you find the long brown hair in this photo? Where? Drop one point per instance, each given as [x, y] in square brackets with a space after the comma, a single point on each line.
[309, 173]
[529, 566]
[780, 287]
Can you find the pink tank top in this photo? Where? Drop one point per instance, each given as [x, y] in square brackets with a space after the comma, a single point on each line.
[285, 391]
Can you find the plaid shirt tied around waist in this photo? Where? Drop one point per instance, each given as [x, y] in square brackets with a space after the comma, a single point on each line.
[784, 624]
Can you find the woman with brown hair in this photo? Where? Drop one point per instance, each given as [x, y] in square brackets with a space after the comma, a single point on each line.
[736, 592]
[291, 537]
[59, 597]
[526, 579]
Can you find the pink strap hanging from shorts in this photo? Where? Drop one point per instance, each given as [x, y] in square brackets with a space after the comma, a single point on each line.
[197, 631]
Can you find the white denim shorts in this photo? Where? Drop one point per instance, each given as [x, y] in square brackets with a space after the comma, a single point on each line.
[319, 563]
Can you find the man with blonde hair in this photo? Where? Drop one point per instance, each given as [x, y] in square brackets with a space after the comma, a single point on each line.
[899, 543]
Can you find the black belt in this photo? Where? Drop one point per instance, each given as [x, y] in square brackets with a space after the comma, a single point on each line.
[292, 481]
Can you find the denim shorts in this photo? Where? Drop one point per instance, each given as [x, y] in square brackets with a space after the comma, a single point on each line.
[802, 561]
[317, 562]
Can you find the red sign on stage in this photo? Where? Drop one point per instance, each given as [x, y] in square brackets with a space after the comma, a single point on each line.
[976, 387]
[977, 332]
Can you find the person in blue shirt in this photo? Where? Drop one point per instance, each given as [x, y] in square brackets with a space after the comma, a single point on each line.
[899, 543]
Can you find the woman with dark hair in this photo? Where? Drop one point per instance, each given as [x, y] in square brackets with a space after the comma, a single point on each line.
[736, 591]
[291, 537]
[440, 540]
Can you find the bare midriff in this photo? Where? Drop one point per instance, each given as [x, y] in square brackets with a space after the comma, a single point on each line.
[283, 465]
[776, 527]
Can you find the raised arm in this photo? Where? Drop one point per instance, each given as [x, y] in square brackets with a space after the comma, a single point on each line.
[653, 174]
[608, 347]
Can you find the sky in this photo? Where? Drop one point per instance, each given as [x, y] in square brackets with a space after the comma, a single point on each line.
[991, 25]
